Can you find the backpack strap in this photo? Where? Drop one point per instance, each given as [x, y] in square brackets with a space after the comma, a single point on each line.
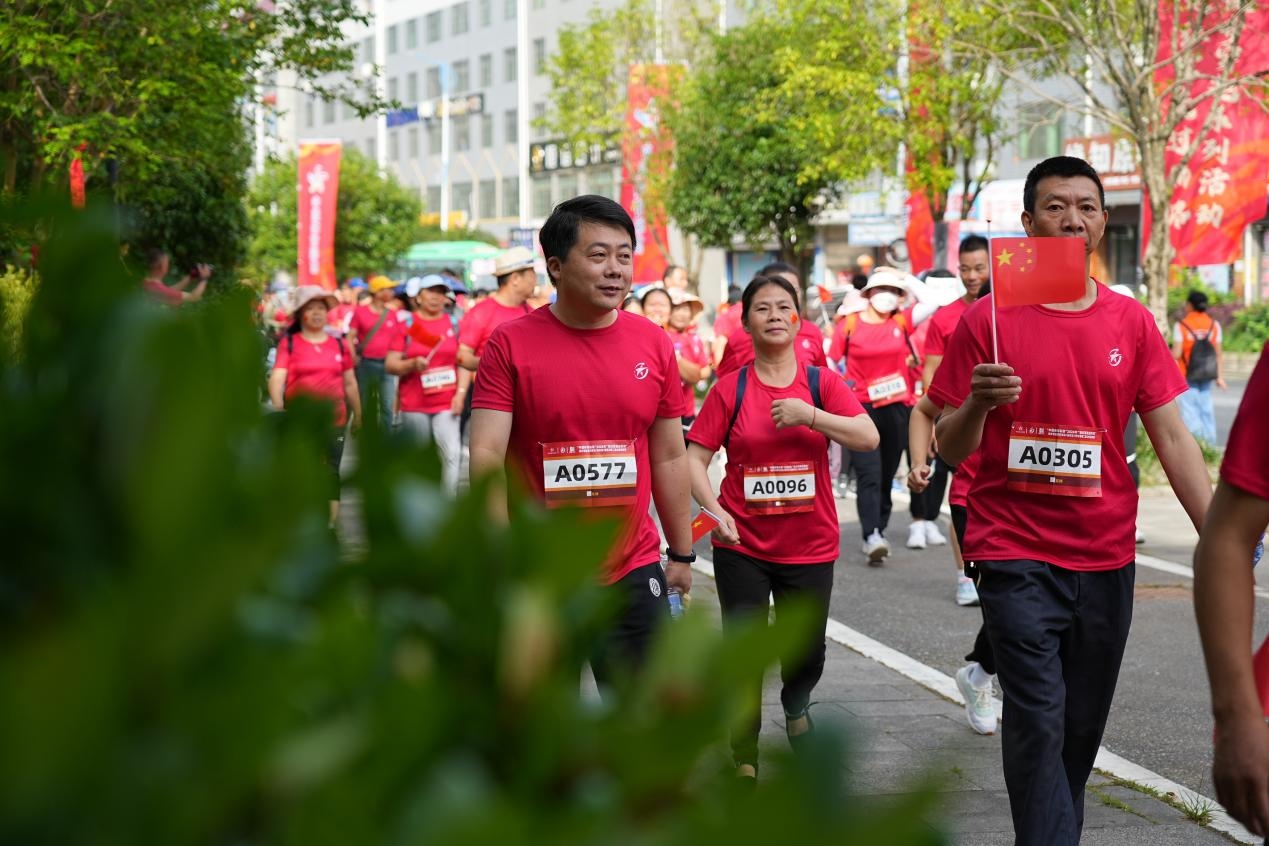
[813, 382]
[742, 378]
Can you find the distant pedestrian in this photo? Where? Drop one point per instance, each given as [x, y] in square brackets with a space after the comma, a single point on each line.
[158, 263]
[1197, 347]
[371, 330]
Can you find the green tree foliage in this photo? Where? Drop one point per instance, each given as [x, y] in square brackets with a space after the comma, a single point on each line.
[186, 661]
[774, 124]
[154, 92]
[377, 219]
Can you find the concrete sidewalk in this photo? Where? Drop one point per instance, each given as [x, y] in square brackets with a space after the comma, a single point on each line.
[903, 732]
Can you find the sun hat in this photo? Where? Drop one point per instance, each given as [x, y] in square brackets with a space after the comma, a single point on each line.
[415, 284]
[944, 290]
[888, 277]
[516, 258]
[305, 294]
[678, 298]
[380, 283]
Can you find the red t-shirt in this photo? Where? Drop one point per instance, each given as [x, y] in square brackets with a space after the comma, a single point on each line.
[689, 345]
[315, 370]
[800, 537]
[363, 320]
[808, 346]
[339, 318]
[942, 325]
[1084, 372]
[565, 385]
[1246, 462]
[486, 316]
[727, 321]
[162, 293]
[876, 360]
[963, 479]
[429, 391]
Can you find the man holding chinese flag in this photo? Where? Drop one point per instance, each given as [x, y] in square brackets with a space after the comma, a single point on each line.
[1043, 389]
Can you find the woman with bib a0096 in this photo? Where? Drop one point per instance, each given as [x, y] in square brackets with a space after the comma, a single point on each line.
[778, 533]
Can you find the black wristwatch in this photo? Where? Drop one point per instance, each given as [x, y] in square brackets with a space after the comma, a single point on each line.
[690, 558]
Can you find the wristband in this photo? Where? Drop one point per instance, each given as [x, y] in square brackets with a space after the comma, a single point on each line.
[690, 558]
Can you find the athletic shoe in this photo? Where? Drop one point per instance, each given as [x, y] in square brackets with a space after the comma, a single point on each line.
[1141, 538]
[966, 593]
[932, 534]
[897, 487]
[876, 548]
[916, 536]
[978, 705]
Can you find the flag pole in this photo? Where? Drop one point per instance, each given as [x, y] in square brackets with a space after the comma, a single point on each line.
[991, 280]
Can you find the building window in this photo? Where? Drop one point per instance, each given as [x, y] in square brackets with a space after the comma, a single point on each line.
[539, 4]
[486, 130]
[434, 138]
[433, 27]
[310, 112]
[566, 185]
[511, 196]
[539, 55]
[462, 76]
[512, 127]
[600, 182]
[347, 112]
[370, 150]
[1041, 132]
[540, 202]
[392, 88]
[509, 64]
[486, 70]
[433, 83]
[392, 39]
[488, 199]
[434, 198]
[412, 87]
[509, 9]
[461, 127]
[539, 114]
[460, 18]
[394, 146]
[412, 34]
[460, 197]
[328, 111]
[486, 12]
[412, 142]
[368, 50]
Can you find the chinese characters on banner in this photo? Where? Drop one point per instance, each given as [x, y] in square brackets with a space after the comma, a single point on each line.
[1114, 159]
[645, 154]
[1222, 188]
[318, 187]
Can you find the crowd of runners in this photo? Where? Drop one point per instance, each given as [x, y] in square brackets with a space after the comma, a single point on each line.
[598, 398]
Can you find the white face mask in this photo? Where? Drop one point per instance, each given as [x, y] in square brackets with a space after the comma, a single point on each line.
[884, 301]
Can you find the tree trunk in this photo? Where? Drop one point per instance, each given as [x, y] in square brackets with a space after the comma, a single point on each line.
[1158, 254]
[940, 243]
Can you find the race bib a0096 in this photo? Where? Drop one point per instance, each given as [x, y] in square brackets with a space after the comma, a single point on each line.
[784, 488]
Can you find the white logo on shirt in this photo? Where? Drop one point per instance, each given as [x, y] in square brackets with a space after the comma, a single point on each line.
[654, 586]
[1116, 358]
[641, 371]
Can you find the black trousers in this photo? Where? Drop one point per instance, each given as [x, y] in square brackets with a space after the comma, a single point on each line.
[981, 652]
[1059, 639]
[875, 469]
[643, 607]
[746, 586]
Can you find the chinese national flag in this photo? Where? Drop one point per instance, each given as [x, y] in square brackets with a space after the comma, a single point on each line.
[703, 525]
[424, 337]
[1031, 271]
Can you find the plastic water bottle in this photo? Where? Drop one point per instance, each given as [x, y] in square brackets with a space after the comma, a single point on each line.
[1258, 552]
[673, 595]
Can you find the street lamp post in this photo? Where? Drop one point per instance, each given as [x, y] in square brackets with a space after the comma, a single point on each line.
[446, 85]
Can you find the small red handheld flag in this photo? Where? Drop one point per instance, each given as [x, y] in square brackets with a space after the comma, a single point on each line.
[424, 337]
[1031, 271]
[703, 525]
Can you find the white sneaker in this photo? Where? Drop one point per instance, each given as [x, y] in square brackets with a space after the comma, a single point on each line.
[876, 548]
[978, 705]
[916, 535]
[1141, 538]
[932, 534]
[966, 593]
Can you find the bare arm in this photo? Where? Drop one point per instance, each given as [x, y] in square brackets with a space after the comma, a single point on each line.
[352, 396]
[960, 430]
[857, 433]
[932, 362]
[398, 365]
[1181, 459]
[490, 434]
[277, 388]
[698, 458]
[920, 441]
[1219, 345]
[467, 358]
[460, 395]
[689, 371]
[671, 491]
[1223, 606]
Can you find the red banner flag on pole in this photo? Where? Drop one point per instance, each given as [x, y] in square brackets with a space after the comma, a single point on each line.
[1031, 271]
[318, 187]
[645, 150]
[77, 178]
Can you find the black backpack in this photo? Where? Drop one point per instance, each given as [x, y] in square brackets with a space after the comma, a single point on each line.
[1200, 365]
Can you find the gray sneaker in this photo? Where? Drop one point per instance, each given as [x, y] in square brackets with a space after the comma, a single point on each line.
[979, 709]
[876, 548]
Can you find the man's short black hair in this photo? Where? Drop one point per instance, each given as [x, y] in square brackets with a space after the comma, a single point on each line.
[973, 244]
[153, 256]
[1059, 166]
[1197, 299]
[559, 233]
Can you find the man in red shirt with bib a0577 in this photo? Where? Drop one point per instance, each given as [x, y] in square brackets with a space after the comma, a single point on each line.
[582, 402]
[1054, 502]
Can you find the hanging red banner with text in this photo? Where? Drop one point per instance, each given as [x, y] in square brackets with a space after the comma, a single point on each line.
[318, 188]
[1222, 188]
[645, 157]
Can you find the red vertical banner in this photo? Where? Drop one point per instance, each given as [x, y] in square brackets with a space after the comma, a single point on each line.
[77, 181]
[1222, 188]
[318, 188]
[645, 158]
[920, 232]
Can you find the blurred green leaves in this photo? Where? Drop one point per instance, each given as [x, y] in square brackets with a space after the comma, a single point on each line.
[185, 657]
